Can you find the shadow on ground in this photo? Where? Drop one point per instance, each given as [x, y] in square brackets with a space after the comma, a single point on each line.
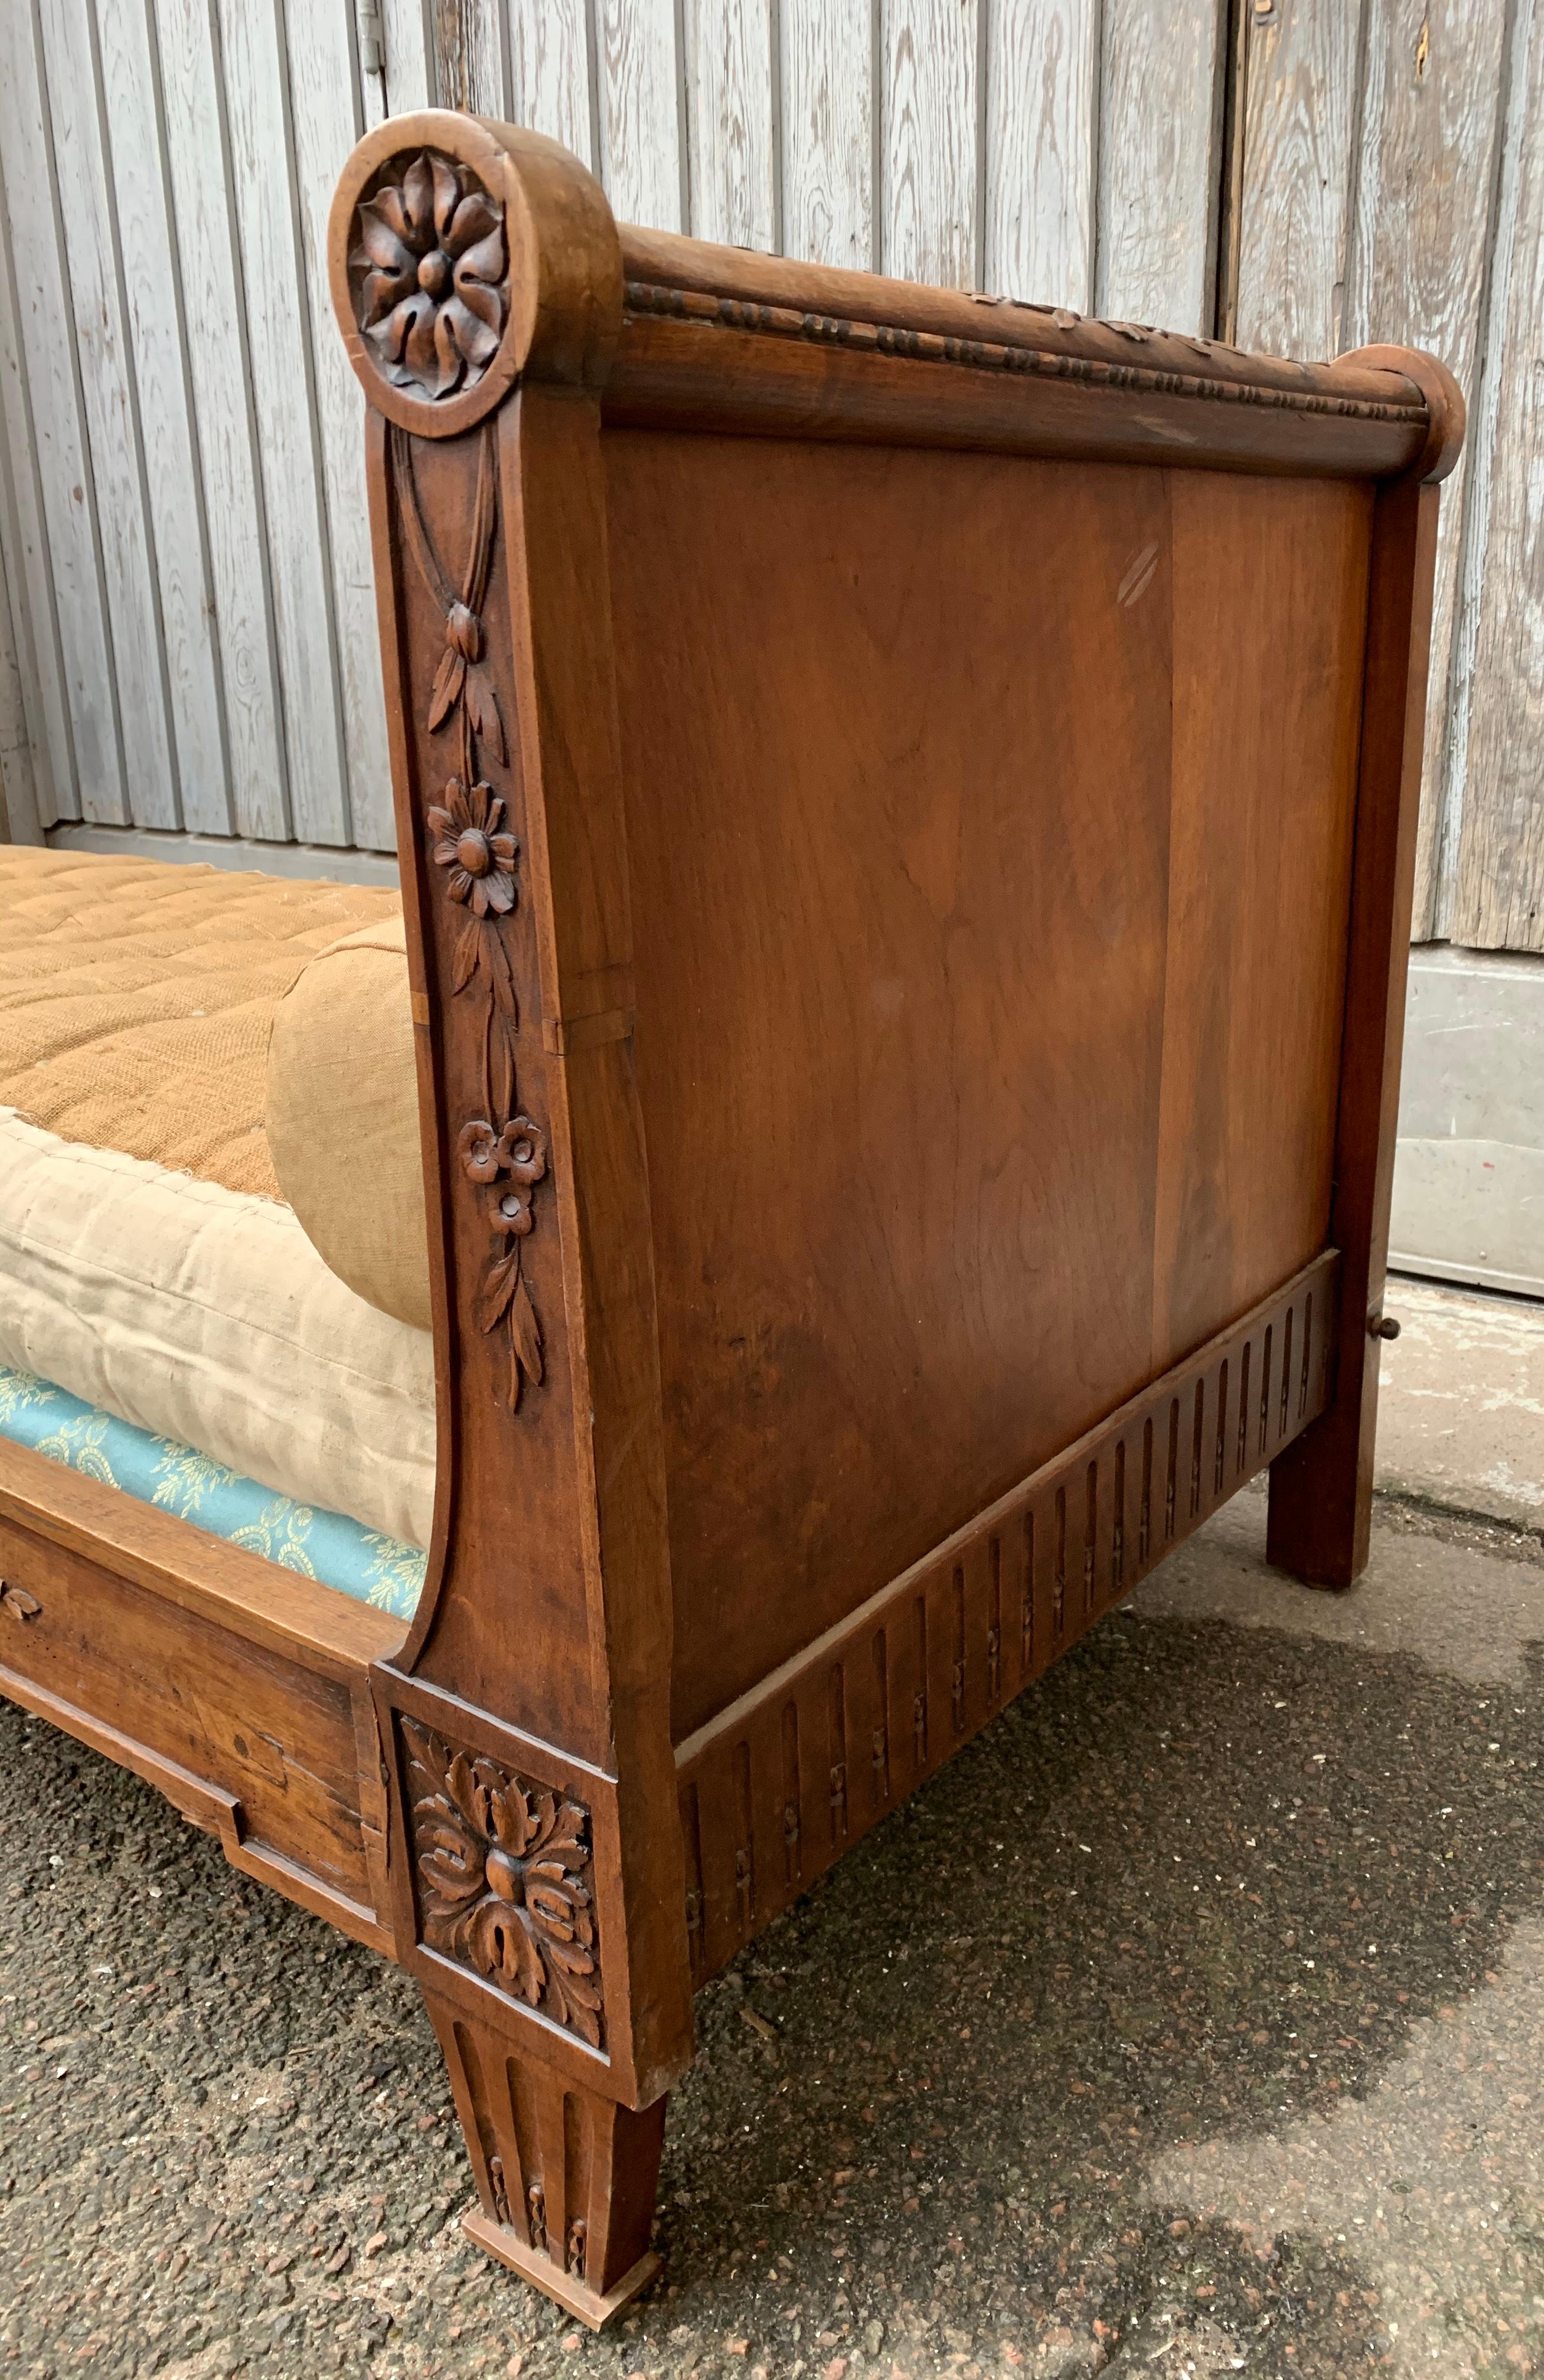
[1180, 1931]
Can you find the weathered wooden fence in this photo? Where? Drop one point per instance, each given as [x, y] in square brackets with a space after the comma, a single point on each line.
[188, 642]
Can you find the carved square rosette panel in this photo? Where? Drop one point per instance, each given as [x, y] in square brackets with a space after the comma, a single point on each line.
[503, 1879]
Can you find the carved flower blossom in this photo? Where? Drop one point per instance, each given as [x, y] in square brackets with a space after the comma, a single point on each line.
[480, 858]
[501, 1865]
[432, 250]
[520, 1148]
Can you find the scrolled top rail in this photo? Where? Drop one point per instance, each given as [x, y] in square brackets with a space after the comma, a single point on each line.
[465, 253]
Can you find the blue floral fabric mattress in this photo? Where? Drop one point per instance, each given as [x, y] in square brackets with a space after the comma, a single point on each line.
[327, 1546]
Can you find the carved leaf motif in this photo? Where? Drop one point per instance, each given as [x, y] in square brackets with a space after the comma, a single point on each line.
[503, 1868]
[498, 1287]
[448, 680]
[525, 1332]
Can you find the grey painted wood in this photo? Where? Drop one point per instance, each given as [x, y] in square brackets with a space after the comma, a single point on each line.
[1302, 70]
[1042, 149]
[1160, 88]
[1498, 901]
[191, 632]
[30, 582]
[928, 142]
[1428, 154]
[57, 428]
[109, 407]
[214, 297]
[168, 445]
[641, 111]
[731, 122]
[827, 68]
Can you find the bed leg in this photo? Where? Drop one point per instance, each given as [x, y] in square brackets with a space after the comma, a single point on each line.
[566, 2179]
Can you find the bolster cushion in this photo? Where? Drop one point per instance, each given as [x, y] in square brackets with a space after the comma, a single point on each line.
[343, 1118]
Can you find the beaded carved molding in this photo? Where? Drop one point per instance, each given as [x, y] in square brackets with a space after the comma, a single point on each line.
[501, 1150]
[502, 1867]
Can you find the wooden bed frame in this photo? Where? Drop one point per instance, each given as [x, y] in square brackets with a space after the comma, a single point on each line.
[907, 806]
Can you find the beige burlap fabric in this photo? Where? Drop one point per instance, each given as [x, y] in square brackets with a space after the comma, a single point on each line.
[137, 998]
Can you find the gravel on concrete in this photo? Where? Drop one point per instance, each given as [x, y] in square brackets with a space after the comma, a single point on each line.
[1191, 2021]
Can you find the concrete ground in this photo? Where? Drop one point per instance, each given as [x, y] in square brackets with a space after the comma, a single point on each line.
[1190, 2022]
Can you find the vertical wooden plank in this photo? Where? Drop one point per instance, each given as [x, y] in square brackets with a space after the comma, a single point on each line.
[29, 576]
[325, 129]
[1302, 66]
[20, 821]
[111, 412]
[641, 112]
[730, 122]
[827, 63]
[928, 183]
[1498, 898]
[55, 424]
[1042, 101]
[1432, 119]
[1160, 123]
[469, 56]
[1320, 1508]
[273, 276]
[549, 72]
[212, 300]
[152, 299]
[410, 82]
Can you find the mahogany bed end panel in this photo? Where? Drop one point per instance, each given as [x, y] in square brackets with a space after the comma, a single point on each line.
[907, 805]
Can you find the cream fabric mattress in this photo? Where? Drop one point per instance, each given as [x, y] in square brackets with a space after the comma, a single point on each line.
[204, 1314]
[148, 1263]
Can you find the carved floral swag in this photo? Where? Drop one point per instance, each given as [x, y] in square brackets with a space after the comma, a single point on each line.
[502, 1151]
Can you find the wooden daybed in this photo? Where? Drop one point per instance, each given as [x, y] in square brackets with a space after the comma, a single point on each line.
[906, 806]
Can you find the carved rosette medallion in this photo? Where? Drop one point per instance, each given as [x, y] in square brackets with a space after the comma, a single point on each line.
[429, 274]
[502, 1870]
[501, 1149]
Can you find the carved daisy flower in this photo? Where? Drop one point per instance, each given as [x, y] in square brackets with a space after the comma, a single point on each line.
[480, 858]
[433, 254]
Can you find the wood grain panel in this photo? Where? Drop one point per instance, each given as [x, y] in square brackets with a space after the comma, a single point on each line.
[928, 187]
[197, 158]
[827, 132]
[1270, 593]
[865, 1236]
[1302, 68]
[55, 430]
[730, 118]
[111, 408]
[1498, 899]
[640, 105]
[469, 63]
[1159, 168]
[1041, 143]
[272, 1740]
[168, 446]
[777, 1787]
[1431, 121]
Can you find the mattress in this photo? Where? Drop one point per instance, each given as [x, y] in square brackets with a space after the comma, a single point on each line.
[152, 1281]
[328, 1547]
